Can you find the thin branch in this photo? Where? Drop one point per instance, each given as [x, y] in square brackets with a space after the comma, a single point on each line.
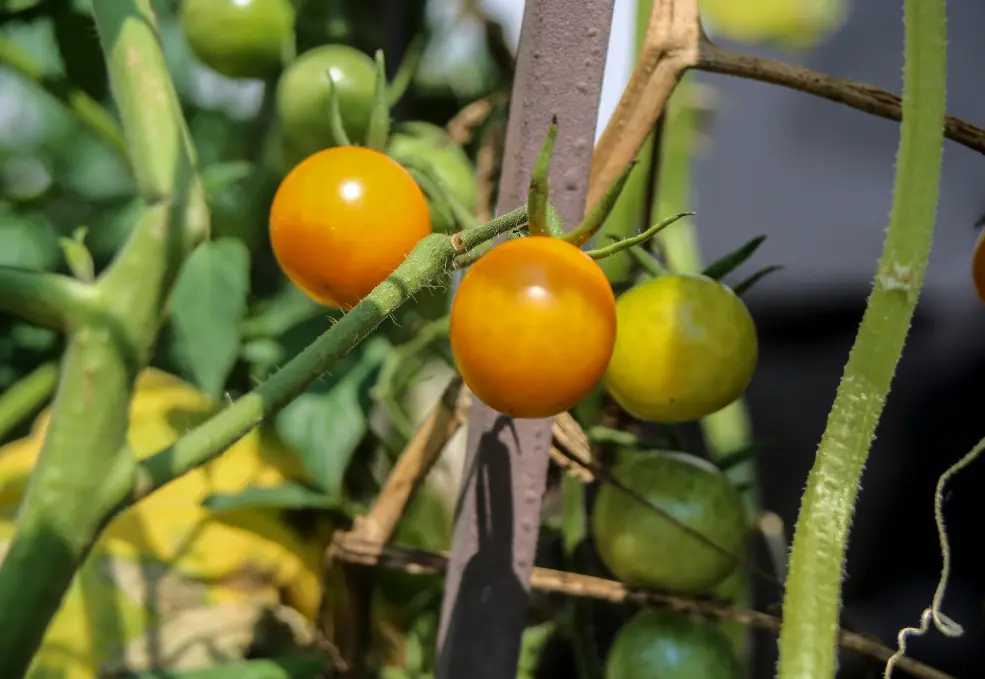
[354, 549]
[89, 112]
[861, 96]
[45, 299]
[25, 397]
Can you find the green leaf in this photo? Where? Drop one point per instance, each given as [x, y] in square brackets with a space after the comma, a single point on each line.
[77, 255]
[82, 57]
[532, 645]
[218, 177]
[744, 286]
[288, 495]
[308, 666]
[207, 309]
[327, 427]
[722, 267]
[28, 241]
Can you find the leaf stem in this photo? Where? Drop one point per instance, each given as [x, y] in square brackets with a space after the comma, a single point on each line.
[627, 243]
[26, 396]
[813, 592]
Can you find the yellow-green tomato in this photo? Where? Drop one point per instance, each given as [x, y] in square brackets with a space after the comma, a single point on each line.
[240, 38]
[686, 347]
[660, 644]
[430, 143]
[303, 96]
[643, 548]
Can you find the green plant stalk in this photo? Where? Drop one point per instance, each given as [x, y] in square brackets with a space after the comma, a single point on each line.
[629, 243]
[813, 590]
[48, 300]
[429, 262]
[27, 396]
[65, 504]
[86, 109]
[538, 194]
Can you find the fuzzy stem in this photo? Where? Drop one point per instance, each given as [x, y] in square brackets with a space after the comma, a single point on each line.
[627, 243]
[85, 108]
[66, 503]
[26, 396]
[813, 592]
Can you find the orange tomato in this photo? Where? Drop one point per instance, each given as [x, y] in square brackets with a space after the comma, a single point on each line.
[533, 325]
[342, 220]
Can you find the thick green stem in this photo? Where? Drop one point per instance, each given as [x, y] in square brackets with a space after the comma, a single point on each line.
[85, 108]
[813, 591]
[26, 397]
[49, 300]
[429, 260]
[111, 340]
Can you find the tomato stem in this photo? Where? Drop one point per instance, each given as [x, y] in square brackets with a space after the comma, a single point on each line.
[538, 195]
[48, 300]
[378, 131]
[111, 338]
[627, 243]
[336, 127]
[26, 396]
[406, 71]
[600, 213]
[813, 591]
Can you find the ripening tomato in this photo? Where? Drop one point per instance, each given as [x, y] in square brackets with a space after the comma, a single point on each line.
[303, 95]
[240, 38]
[532, 327]
[978, 266]
[342, 220]
[687, 348]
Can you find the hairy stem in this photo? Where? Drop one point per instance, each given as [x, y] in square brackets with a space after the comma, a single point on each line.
[813, 591]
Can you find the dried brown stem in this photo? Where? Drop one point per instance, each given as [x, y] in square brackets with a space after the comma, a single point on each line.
[861, 96]
[463, 125]
[417, 458]
[671, 46]
[354, 549]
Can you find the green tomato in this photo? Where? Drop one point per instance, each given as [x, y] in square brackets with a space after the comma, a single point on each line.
[430, 143]
[240, 38]
[671, 645]
[303, 96]
[643, 549]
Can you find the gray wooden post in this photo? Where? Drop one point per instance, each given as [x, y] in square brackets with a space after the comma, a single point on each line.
[559, 68]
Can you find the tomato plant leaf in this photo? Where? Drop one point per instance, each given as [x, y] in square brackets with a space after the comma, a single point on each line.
[744, 286]
[723, 266]
[218, 177]
[82, 56]
[207, 309]
[326, 427]
[30, 242]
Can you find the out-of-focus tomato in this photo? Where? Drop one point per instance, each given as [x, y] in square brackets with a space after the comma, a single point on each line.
[240, 38]
[303, 96]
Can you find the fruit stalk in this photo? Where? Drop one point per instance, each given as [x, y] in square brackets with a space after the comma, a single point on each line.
[813, 592]
[110, 340]
[45, 299]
